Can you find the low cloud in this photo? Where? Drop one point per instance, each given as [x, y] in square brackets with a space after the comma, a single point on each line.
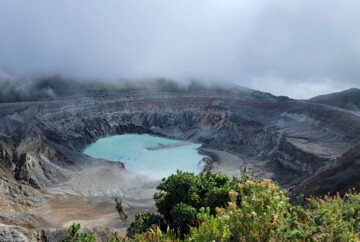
[298, 48]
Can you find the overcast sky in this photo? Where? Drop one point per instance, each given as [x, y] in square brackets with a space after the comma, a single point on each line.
[294, 48]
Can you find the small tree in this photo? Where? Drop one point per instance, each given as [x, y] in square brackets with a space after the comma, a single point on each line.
[120, 209]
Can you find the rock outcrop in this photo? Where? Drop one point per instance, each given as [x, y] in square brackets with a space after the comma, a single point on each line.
[338, 175]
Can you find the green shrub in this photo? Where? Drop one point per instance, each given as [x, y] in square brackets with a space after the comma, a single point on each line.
[76, 236]
[211, 207]
[210, 228]
[254, 213]
[183, 216]
[330, 218]
[182, 194]
[260, 211]
[144, 221]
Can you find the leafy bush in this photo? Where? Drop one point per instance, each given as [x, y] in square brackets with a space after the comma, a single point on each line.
[182, 194]
[76, 236]
[323, 219]
[184, 216]
[254, 213]
[261, 211]
[144, 221]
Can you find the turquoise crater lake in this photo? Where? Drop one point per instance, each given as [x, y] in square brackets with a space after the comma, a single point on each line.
[152, 156]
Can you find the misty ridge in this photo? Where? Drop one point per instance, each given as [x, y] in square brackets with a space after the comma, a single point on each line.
[58, 87]
[51, 88]
[298, 48]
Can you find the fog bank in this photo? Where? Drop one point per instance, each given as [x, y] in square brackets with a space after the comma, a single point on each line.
[294, 48]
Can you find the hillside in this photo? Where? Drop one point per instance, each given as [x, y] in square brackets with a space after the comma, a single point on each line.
[348, 99]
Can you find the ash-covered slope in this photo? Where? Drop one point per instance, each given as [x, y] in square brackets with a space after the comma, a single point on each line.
[348, 99]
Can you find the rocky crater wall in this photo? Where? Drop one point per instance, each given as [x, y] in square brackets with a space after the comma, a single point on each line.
[42, 142]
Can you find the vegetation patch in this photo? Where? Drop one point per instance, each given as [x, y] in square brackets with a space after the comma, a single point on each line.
[213, 207]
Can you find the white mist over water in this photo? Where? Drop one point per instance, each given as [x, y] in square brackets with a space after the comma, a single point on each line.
[152, 156]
